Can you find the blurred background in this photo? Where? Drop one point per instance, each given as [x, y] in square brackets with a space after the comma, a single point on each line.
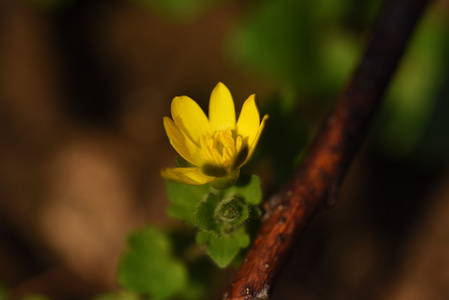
[84, 85]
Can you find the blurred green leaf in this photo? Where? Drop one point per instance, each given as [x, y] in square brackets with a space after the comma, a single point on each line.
[302, 44]
[148, 267]
[184, 199]
[223, 249]
[413, 97]
[338, 54]
[272, 36]
[150, 240]
[194, 290]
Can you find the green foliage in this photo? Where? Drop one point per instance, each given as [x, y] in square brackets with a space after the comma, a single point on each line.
[248, 188]
[148, 266]
[413, 121]
[205, 210]
[184, 199]
[311, 49]
[300, 43]
[220, 215]
[223, 249]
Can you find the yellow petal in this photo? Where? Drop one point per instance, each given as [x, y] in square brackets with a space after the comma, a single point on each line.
[253, 146]
[221, 108]
[249, 120]
[192, 176]
[182, 144]
[190, 118]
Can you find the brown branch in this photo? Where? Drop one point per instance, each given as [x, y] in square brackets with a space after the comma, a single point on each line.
[324, 167]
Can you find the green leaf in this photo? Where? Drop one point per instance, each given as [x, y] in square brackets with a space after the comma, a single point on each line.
[204, 216]
[195, 290]
[203, 237]
[247, 187]
[159, 277]
[223, 249]
[184, 199]
[150, 240]
[148, 266]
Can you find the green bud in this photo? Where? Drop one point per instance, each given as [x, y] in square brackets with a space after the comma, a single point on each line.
[233, 211]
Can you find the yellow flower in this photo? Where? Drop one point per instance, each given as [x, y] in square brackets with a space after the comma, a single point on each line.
[215, 147]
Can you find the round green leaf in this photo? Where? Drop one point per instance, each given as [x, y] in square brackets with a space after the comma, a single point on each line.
[148, 267]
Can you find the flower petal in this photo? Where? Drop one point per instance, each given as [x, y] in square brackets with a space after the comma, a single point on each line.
[221, 108]
[249, 121]
[192, 176]
[182, 144]
[190, 118]
[252, 147]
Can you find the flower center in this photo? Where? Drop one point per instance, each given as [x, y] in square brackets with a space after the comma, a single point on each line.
[221, 148]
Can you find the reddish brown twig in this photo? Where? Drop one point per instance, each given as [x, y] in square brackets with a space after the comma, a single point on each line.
[325, 165]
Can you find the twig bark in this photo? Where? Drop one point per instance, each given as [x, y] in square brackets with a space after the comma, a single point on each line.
[318, 178]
